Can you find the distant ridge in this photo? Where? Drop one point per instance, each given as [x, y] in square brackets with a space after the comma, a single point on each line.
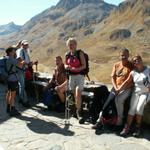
[9, 28]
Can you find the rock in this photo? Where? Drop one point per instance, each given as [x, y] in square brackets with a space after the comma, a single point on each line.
[120, 34]
[146, 117]
[89, 31]
[147, 22]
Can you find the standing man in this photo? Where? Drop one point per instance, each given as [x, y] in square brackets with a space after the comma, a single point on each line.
[23, 54]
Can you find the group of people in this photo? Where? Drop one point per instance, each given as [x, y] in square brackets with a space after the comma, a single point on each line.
[73, 67]
[17, 64]
[128, 78]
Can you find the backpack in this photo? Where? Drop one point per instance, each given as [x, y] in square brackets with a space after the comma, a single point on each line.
[50, 97]
[3, 69]
[86, 70]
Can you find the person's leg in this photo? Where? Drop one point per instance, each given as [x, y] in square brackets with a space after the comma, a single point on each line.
[22, 93]
[8, 101]
[131, 114]
[12, 98]
[60, 92]
[119, 101]
[139, 114]
[78, 98]
[78, 94]
[110, 98]
[13, 110]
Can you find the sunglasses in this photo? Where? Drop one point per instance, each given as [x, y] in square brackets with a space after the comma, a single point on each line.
[136, 61]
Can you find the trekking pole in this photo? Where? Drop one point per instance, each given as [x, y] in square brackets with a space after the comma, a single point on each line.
[67, 109]
[34, 82]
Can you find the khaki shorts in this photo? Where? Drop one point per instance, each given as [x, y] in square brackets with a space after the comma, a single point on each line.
[76, 81]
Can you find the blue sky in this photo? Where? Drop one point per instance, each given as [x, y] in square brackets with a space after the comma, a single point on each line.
[20, 11]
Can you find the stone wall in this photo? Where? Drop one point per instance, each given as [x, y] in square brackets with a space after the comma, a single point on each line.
[146, 117]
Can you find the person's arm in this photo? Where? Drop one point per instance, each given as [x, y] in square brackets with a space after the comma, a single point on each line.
[113, 77]
[52, 80]
[126, 82]
[62, 86]
[20, 62]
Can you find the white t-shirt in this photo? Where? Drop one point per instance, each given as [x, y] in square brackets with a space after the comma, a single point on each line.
[23, 54]
[141, 80]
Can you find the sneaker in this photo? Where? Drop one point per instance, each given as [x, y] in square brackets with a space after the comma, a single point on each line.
[81, 120]
[14, 112]
[98, 125]
[137, 132]
[125, 131]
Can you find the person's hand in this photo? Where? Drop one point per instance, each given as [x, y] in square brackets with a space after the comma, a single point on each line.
[67, 67]
[57, 88]
[36, 62]
[148, 89]
[117, 92]
[74, 69]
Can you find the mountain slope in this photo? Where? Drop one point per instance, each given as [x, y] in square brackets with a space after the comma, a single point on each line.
[98, 31]
[56, 24]
[132, 16]
[9, 28]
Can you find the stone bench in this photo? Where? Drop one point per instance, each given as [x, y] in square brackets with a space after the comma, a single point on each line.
[146, 117]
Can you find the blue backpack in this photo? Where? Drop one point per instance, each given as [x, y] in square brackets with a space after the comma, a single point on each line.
[48, 97]
[3, 69]
[4, 72]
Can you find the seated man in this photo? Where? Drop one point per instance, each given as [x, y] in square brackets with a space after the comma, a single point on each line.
[58, 81]
[120, 73]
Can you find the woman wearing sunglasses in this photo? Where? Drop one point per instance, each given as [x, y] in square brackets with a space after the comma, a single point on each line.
[141, 93]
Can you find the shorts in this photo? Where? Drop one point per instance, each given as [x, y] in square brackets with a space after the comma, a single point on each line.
[12, 85]
[76, 81]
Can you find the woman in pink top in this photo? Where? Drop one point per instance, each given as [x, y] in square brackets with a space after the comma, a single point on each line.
[74, 64]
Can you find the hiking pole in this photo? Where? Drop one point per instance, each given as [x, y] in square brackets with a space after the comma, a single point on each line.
[34, 82]
[67, 107]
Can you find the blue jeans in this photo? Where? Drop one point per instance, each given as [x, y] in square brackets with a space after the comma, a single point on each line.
[22, 92]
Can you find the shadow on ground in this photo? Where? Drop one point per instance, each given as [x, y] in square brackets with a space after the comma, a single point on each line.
[43, 127]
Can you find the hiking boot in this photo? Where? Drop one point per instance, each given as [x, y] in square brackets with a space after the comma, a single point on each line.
[137, 132]
[98, 125]
[14, 112]
[8, 108]
[125, 131]
[81, 120]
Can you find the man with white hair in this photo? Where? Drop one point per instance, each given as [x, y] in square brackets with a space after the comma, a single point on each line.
[23, 54]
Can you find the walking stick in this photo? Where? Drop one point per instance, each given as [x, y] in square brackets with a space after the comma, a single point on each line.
[68, 102]
[34, 81]
[67, 110]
